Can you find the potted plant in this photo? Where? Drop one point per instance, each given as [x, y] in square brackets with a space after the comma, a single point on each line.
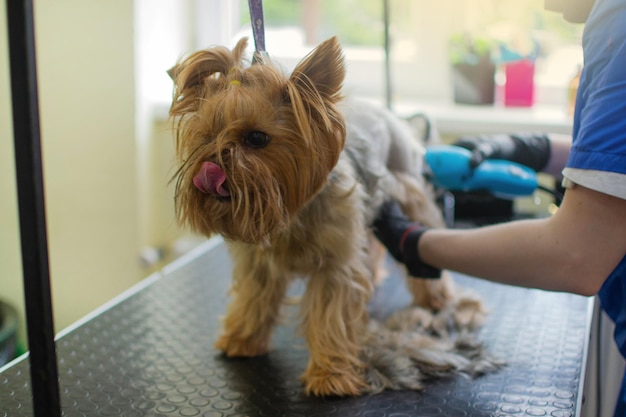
[473, 69]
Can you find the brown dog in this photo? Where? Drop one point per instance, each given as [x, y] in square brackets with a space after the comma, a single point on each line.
[291, 180]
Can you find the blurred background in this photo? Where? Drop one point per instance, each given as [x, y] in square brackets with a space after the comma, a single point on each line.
[104, 97]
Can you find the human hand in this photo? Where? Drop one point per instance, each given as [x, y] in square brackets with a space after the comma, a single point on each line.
[401, 237]
[529, 149]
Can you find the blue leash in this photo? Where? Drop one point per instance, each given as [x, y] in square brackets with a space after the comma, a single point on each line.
[258, 31]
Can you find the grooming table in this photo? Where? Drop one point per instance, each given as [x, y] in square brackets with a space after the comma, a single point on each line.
[149, 353]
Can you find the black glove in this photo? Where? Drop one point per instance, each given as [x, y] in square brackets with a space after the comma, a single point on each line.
[401, 236]
[530, 149]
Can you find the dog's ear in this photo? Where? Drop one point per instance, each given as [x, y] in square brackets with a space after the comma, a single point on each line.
[323, 69]
[192, 75]
[314, 90]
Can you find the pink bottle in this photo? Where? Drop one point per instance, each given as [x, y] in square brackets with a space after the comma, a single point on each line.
[519, 86]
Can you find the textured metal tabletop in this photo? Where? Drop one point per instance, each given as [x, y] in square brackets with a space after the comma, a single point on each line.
[150, 353]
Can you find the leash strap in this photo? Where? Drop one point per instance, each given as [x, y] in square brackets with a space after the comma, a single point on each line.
[258, 31]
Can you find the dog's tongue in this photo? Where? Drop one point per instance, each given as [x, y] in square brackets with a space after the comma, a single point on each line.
[210, 179]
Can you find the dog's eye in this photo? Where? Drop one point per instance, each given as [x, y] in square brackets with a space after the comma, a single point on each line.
[256, 140]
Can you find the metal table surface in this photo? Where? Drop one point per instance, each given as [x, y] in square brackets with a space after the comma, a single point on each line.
[150, 353]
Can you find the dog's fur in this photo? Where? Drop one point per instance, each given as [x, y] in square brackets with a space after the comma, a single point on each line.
[294, 179]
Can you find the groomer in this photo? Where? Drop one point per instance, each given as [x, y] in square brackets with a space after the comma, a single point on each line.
[580, 249]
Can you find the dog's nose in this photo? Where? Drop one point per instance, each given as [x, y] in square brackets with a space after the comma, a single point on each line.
[211, 179]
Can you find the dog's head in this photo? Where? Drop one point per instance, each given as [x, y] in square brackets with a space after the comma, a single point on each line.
[253, 145]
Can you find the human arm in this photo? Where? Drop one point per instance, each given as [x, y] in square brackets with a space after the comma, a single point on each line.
[574, 250]
[560, 145]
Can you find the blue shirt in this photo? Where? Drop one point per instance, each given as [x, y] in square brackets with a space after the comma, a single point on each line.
[599, 136]
[612, 300]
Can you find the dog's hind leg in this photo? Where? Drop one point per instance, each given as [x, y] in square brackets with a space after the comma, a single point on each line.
[417, 203]
[376, 260]
[442, 293]
[430, 293]
[257, 291]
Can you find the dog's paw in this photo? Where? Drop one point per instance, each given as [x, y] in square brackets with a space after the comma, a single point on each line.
[469, 312]
[433, 294]
[240, 347]
[325, 384]
[412, 319]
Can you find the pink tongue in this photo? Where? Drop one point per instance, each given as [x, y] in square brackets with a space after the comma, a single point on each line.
[210, 179]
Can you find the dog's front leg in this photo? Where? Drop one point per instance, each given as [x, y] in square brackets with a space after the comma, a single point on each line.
[257, 293]
[334, 308]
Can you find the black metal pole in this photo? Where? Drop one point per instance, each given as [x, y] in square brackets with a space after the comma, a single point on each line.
[30, 190]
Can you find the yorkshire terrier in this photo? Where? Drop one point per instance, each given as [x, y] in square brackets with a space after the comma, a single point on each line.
[292, 177]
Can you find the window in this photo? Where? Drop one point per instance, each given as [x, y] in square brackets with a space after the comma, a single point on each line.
[419, 35]
[420, 31]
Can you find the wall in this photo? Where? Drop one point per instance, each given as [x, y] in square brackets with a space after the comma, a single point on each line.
[162, 35]
[10, 267]
[85, 54]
